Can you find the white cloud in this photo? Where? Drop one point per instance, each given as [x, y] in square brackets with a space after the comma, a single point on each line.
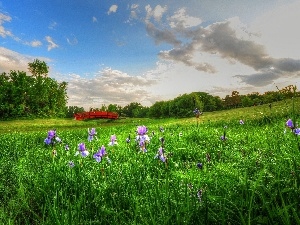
[3, 32]
[109, 87]
[112, 9]
[180, 19]
[51, 44]
[156, 13]
[11, 60]
[35, 43]
[94, 19]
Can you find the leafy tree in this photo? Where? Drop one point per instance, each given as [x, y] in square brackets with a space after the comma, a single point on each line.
[71, 110]
[38, 68]
[23, 95]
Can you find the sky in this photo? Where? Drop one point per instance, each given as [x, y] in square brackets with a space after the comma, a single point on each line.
[118, 52]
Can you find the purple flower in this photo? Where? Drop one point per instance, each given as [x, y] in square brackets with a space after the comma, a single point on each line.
[161, 129]
[160, 155]
[223, 138]
[128, 139]
[142, 130]
[241, 122]
[67, 148]
[71, 164]
[48, 141]
[92, 133]
[297, 131]
[142, 141]
[113, 140]
[101, 152]
[51, 137]
[199, 165]
[197, 112]
[289, 124]
[82, 150]
[51, 134]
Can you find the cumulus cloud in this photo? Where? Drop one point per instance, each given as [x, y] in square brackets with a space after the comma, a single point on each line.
[156, 13]
[51, 43]
[112, 9]
[161, 36]
[11, 60]
[180, 20]
[109, 87]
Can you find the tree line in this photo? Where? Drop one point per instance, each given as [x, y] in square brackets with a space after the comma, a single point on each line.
[37, 95]
[184, 105]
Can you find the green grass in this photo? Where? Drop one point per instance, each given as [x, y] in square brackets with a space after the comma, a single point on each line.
[251, 178]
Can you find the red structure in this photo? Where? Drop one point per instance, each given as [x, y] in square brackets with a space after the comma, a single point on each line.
[96, 115]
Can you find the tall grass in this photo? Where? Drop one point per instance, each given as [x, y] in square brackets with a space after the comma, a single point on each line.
[250, 178]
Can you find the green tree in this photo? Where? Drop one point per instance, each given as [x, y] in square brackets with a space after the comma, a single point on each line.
[38, 68]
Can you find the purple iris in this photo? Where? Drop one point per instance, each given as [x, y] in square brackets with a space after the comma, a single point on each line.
[197, 112]
[82, 150]
[160, 154]
[289, 124]
[92, 134]
[297, 131]
[142, 141]
[223, 138]
[142, 130]
[200, 165]
[113, 140]
[241, 122]
[101, 152]
[128, 139]
[71, 164]
[49, 140]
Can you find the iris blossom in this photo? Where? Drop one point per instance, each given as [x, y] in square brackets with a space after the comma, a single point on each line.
[142, 138]
[297, 131]
[128, 139]
[161, 155]
[92, 133]
[241, 122]
[113, 140]
[82, 150]
[197, 113]
[290, 124]
[71, 164]
[142, 130]
[51, 135]
[101, 152]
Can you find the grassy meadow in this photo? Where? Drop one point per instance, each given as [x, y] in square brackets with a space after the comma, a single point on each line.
[217, 171]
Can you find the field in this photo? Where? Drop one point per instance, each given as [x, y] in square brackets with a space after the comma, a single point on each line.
[214, 170]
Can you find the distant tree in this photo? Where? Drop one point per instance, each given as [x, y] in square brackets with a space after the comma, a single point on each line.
[235, 98]
[133, 109]
[71, 110]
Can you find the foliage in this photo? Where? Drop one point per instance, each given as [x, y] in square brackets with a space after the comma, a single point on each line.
[31, 96]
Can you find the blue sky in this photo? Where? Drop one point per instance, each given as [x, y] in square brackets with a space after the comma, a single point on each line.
[146, 51]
